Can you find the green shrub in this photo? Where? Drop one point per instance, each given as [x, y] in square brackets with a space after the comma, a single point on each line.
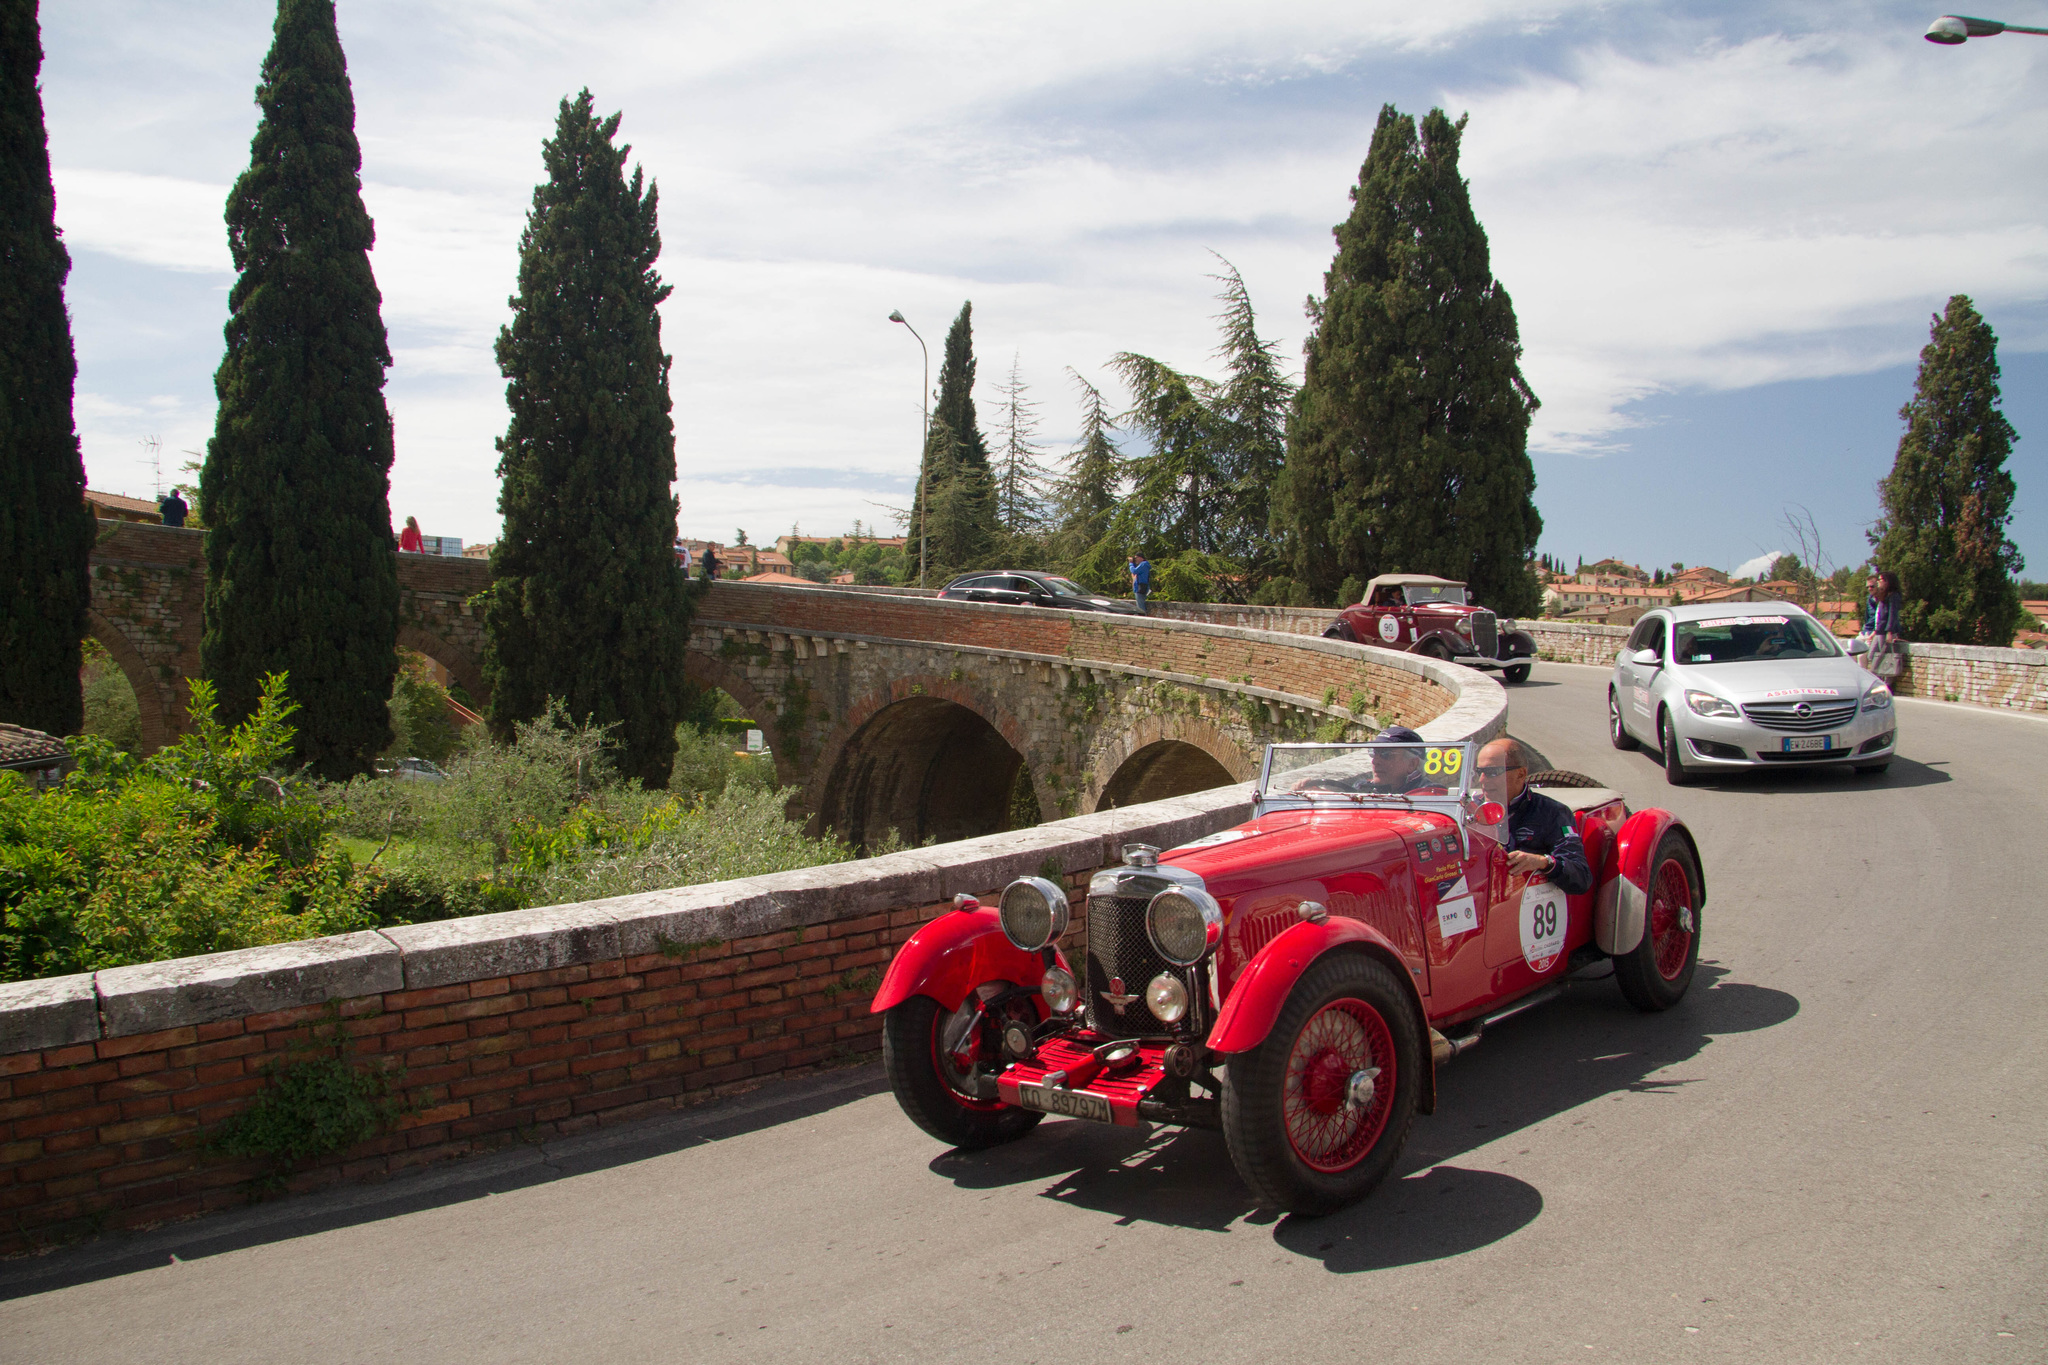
[421, 724]
[111, 711]
[314, 1104]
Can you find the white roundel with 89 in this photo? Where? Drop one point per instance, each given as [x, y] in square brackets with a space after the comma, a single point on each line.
[1543, 925]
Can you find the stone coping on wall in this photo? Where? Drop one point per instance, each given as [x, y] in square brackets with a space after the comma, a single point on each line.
[154, 997]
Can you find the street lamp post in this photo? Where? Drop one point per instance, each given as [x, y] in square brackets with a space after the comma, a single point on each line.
[1951, 29]
[923, 512]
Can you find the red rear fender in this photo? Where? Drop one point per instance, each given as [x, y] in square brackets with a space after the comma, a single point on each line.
[1619, 912]
[952, 955]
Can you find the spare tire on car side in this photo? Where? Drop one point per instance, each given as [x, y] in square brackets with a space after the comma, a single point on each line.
[1560, 777]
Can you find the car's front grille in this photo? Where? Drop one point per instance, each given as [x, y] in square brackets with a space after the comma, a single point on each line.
[1801, 716]
[1486, 634]
[1120, 949]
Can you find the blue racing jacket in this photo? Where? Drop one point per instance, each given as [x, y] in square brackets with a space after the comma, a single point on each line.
[1537, 824]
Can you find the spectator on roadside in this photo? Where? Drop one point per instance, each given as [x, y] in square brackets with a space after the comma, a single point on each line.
[171, 509]
[410, 539]
[1141, 577]
[710, 564]
[683, 556]
[1889, 600]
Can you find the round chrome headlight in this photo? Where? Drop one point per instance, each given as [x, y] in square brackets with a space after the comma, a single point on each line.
[1033, 912]
[1184, 924]
[1060, 990]
[1167, 998]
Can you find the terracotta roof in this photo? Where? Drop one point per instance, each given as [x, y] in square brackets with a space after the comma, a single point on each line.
[25, 748]
[787, 580]
[120, 505]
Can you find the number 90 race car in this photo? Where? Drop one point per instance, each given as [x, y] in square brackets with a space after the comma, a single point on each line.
[1295, 981]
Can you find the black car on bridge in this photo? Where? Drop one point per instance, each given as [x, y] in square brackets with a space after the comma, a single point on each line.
[1030, 588]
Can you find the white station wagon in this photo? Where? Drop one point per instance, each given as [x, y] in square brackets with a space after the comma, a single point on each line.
[1747, 685]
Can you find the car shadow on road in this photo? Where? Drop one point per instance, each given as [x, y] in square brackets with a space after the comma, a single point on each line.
[1588, 1046]
[476, 1177]
[1903, 772]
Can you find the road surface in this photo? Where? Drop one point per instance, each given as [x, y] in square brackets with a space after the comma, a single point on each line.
[1832, 1151]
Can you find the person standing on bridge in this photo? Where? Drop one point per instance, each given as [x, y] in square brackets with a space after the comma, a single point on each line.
[171, 509]
[710, 564]
[1141, 577]
[1542, 841]
[410, 540]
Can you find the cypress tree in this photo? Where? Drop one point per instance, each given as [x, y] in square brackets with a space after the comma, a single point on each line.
[300, 575]
[966, 458]
[46, 529]
[1408, 444]
[589, 607]
[1948, 499]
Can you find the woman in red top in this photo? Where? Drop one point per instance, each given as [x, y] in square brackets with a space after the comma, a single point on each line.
[409, 538]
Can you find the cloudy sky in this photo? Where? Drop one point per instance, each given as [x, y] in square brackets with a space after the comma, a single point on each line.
[1724, 234]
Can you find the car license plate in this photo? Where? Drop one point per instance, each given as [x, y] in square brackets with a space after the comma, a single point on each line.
[1073, 1103]
[1800, 744]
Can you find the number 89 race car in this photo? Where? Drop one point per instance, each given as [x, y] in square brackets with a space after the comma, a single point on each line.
[1295, 981]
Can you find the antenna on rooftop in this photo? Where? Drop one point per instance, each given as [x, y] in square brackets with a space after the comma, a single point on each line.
[153, 456]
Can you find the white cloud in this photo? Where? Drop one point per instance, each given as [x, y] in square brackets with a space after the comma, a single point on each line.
[1756, 568]
[1669, 210]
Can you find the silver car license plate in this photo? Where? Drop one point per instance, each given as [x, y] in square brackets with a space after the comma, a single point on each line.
[1800, 744]
[1073, 1103]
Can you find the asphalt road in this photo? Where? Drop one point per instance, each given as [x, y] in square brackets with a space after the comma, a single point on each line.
[1832, 1151]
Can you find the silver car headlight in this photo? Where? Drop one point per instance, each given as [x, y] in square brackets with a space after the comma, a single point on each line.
[1707, 704]
[1878, 698]
[1184, 924]
[1060, 990]
[1167, 997]
[1034, 912]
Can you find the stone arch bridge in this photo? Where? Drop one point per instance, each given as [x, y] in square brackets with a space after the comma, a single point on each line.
[888, 710]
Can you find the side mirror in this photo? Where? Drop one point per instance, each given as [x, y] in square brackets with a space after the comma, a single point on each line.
[1859, 647]
[1646, 657]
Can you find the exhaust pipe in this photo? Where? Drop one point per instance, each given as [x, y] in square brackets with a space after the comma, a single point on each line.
[1442, 1049]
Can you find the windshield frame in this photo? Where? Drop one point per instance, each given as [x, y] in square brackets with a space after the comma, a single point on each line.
[1064, 587]
[1463, 598]
[1464, 806]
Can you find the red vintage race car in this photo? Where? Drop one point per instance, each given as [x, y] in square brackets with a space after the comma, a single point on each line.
[1294, 981]
[1428, 615]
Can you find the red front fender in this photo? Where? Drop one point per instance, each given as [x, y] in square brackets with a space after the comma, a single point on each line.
[951, 956]
[1263, 987]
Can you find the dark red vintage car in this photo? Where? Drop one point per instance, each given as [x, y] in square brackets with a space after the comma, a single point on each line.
[1429, 615]
[1294, 981]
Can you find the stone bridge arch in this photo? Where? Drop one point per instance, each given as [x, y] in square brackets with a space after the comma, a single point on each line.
[463, 667]
[709, 670]
[157, 727]
[934, 757]
[1164, 755]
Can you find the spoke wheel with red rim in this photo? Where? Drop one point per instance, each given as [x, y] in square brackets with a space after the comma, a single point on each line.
[1316, 1114]
[935, 1086]
[1654, 974]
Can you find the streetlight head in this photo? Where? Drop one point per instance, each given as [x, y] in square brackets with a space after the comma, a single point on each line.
[896, 314]
[1948, 30]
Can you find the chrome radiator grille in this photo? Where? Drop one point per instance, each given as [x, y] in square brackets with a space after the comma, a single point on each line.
[1486, 634]
[1801, 716]
[1119, 949]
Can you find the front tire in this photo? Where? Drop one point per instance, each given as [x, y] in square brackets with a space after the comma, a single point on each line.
[1516, 673]
[1297, 1133]
[1617, 733]
[1675, 771]
[1341, 631]
[933, 1099]
[1654, 975]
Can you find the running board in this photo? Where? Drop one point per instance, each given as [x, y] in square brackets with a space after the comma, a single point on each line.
[1442, 1049]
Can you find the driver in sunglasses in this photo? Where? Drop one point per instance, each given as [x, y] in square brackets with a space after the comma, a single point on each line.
[1541, 839]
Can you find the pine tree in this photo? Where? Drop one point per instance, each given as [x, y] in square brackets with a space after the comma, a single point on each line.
[588, 606]
[1408, 444]
[1948, 499]
[46, 529]
[1251, 405]
[1020, 475]
[300, 574]
[1087, 489]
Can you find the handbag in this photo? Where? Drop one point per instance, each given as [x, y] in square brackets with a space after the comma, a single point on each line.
[1884, 661]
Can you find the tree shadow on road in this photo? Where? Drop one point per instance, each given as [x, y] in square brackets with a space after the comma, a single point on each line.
[1587, 1046]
